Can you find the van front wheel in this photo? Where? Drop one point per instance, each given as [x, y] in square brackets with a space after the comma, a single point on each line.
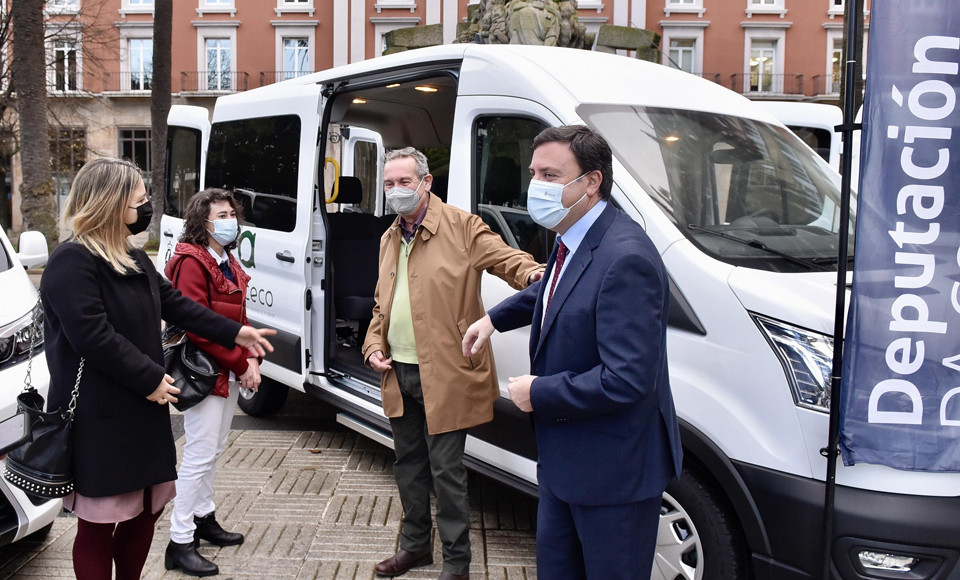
[268, 399]
[697, 539]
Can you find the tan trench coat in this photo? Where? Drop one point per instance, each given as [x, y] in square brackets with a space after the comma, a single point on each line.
[451, 251]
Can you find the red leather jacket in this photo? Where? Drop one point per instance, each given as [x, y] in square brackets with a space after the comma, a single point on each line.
[195, 272]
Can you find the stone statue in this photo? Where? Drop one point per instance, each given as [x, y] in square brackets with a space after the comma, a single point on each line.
[544, 22]
[534, 22]
[572, 33]
[494, 23]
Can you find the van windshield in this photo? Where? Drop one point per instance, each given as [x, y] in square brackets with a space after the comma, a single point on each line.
[744, 192]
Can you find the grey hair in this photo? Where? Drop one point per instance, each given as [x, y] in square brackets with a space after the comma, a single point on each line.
[422, 168]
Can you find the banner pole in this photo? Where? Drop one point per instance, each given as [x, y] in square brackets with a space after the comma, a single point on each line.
[847, 129]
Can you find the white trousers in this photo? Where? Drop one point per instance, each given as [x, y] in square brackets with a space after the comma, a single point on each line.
[206, 427]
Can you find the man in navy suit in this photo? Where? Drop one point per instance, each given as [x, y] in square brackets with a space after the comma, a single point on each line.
[598, 390]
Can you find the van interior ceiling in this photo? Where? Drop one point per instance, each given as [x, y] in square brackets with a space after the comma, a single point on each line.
[417, 112]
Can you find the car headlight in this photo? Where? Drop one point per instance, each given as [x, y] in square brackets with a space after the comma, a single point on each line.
[807, 359]
[16, 338]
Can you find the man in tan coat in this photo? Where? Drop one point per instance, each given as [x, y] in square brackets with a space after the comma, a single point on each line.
[431, 262]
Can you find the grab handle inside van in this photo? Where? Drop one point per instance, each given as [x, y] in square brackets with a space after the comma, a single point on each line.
[336, 179]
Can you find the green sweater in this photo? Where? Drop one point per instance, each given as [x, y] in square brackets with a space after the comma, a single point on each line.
[403, 345]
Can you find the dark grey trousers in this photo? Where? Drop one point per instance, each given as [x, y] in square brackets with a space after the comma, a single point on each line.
[427, 461]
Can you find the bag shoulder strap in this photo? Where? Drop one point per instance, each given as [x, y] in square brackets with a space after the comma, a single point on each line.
[35, 330]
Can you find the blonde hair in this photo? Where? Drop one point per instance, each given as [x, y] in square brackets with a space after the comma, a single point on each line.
[98, 199]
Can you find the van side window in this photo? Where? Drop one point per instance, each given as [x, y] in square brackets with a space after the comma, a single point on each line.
[504, 147]
[258, 160]
[183, 169]
[365, 169]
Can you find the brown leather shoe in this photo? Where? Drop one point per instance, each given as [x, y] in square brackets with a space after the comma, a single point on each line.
[402, 561]
[451, 576]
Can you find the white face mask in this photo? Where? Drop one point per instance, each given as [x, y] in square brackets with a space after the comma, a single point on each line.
[403, 199]
[545, 202]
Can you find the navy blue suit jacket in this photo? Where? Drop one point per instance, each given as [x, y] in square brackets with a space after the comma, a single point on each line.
[604, 417]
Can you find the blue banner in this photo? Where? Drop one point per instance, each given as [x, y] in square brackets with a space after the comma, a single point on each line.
[900, 401]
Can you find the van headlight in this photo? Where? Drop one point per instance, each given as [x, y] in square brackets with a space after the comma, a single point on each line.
[807, 359]
[15, 339]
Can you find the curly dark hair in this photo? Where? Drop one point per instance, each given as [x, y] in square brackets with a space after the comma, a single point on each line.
[198, 210]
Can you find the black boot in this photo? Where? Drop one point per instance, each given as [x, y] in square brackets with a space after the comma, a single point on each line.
[186, 557]
[208, 529]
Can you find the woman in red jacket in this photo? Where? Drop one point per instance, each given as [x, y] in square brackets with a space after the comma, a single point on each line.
[203, 269]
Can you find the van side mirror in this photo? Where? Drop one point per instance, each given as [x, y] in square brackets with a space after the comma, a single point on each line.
[33, 250]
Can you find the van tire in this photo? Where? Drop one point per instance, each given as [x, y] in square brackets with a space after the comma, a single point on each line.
[268, 399]
[698, 538]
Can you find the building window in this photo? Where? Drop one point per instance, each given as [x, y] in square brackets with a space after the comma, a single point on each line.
[296, 57]
[294, 6]
[766, 7]
[138, 3]
[62, 6]
[135, 146]
[218, 64]
[401, 4]
[65, 65]
[684, 6]
[140, 53]
[68, 153]
[682, 54]
[762, 66]
[216, 6]
[683, 46]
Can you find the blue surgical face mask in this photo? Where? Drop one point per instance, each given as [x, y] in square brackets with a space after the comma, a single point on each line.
[545, 202]
[225, 230]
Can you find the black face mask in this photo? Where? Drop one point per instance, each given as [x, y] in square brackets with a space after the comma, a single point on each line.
[144, 215]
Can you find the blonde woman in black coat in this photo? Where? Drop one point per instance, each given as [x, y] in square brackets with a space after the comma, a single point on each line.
[103, 301]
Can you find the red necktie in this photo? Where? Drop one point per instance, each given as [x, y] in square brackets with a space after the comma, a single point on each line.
[561, 256]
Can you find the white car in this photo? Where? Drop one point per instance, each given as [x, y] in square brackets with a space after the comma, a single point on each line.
[20, 516]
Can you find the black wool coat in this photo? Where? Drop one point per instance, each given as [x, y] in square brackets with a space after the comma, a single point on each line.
[122, 442]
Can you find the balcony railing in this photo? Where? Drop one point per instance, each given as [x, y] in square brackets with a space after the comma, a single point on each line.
[767, 84]
[128, 81]
[711, 76]
[826, 85]
[213, 81]
[273, 76]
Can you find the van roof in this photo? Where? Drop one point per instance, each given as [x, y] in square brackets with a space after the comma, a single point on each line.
[547, 75]
[818, 115]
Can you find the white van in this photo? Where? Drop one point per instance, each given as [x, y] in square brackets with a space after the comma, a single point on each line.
[743, 214]
[20, 515]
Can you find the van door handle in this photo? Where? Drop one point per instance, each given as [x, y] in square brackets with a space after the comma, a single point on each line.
[168, 233]
[286, 256]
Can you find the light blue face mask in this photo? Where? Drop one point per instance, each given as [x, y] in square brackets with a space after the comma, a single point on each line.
[225, 230]
[545, 202]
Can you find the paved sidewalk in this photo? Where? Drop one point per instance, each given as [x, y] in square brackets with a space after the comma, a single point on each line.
[315, 501]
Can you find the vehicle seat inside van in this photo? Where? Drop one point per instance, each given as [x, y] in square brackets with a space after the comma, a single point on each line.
[354, 252]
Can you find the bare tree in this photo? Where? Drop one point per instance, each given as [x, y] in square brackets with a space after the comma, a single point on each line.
[7, 129]
[29, 79]
[160, 105]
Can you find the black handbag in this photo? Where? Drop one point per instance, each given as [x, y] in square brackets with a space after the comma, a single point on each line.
[43, 466]
[194, 371]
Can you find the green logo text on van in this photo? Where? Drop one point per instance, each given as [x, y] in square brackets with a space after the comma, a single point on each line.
[246, 257]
